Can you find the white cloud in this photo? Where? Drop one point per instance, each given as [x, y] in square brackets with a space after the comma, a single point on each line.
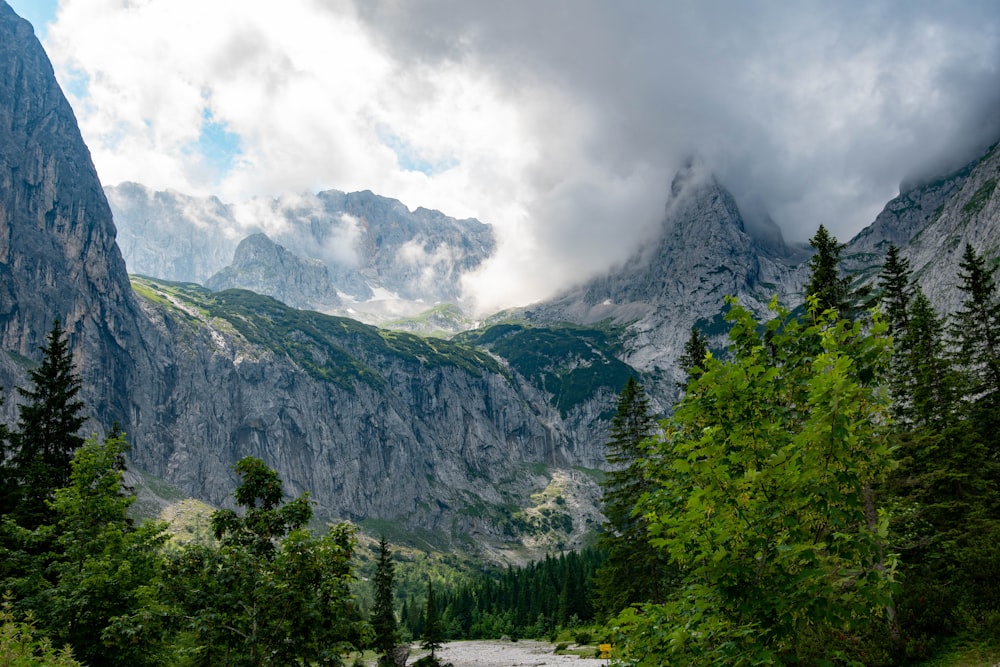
[559, 123]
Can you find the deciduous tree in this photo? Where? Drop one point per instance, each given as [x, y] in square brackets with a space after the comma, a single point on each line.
[764, 500]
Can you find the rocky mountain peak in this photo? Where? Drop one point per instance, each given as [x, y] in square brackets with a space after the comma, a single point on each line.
[261, 265]
[58, 257]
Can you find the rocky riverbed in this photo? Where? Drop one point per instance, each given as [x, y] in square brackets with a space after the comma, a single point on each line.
[509, 654]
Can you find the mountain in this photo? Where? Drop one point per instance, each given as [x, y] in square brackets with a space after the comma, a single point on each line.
[447, 439]
[383, 260]
[704, 251]
[931, 223]
[493, 439]
[263, 266]
[58, 257]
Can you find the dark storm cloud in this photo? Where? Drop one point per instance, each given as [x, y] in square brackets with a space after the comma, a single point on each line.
[819, 110]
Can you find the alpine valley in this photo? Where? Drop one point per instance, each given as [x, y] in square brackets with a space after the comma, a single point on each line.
[297, 330]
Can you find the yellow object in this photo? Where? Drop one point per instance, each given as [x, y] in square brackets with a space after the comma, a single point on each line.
[605, 650]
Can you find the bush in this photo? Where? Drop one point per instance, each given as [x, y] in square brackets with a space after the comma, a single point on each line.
[562, 646]
[583, 638]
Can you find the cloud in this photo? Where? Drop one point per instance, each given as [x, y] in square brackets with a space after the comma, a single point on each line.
[561, 123]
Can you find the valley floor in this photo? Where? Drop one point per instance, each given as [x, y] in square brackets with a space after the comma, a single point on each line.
[495, 653]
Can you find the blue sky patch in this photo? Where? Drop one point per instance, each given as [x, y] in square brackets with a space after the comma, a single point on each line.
[218, 146]
[410, 158]
[39, 12]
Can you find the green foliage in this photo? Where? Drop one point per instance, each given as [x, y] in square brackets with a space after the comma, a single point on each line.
[634, 572]
[693, 357]
[80, 574]
[383, 617]
[47, 434]
[976, 325]
[433, 635]
[831, 290]
[570, 363]
[271, 593]
[21, 646]
[895, 284]
[764, 499]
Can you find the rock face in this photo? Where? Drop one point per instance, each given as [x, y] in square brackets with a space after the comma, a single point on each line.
[261, 265]
[931, 224]
[58, 257]
[383, 260]
[703, 253]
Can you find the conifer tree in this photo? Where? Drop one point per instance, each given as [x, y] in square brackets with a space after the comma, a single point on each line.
[383, 615]
[895, 283]
[928, 382]
[976, 326]
[825, 282]
[433, 627]
[47, 432]
[693, 357]
[633, 571]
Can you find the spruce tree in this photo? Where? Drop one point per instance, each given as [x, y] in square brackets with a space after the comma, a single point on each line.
[825, 282]
[433, 626]
[976, 325]
[928, 382]
[47, 432]
[895, 283]
[693, 358]
[383, 616]
[633, 571]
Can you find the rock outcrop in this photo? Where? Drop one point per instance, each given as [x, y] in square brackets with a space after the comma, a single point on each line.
[261, 265]
[383, 260]
[58, 257]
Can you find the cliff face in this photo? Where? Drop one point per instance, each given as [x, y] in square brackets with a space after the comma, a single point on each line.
[703, 253]
[58, 257]
[261, 265]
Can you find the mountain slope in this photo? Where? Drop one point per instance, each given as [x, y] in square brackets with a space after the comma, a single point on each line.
[384, 261]
[379, 426]
[704, 252]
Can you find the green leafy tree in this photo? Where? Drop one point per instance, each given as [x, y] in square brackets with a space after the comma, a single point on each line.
[21, 645]
[105, 568]
[831, 290]
[47, 433]
[383, 612]
[270, 593]
[634, 571]
[764, 499]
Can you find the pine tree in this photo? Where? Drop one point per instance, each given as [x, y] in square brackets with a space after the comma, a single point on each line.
[825, 283]
[693, 358]
[976, 326]
[895, 283]
[633, 571]
[927, 381]
[433, 627]
[47, 432]
[383, 616]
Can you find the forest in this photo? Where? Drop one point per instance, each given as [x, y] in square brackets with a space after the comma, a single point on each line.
[825, 492]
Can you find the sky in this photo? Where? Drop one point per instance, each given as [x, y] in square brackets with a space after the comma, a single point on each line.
[560, 122]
